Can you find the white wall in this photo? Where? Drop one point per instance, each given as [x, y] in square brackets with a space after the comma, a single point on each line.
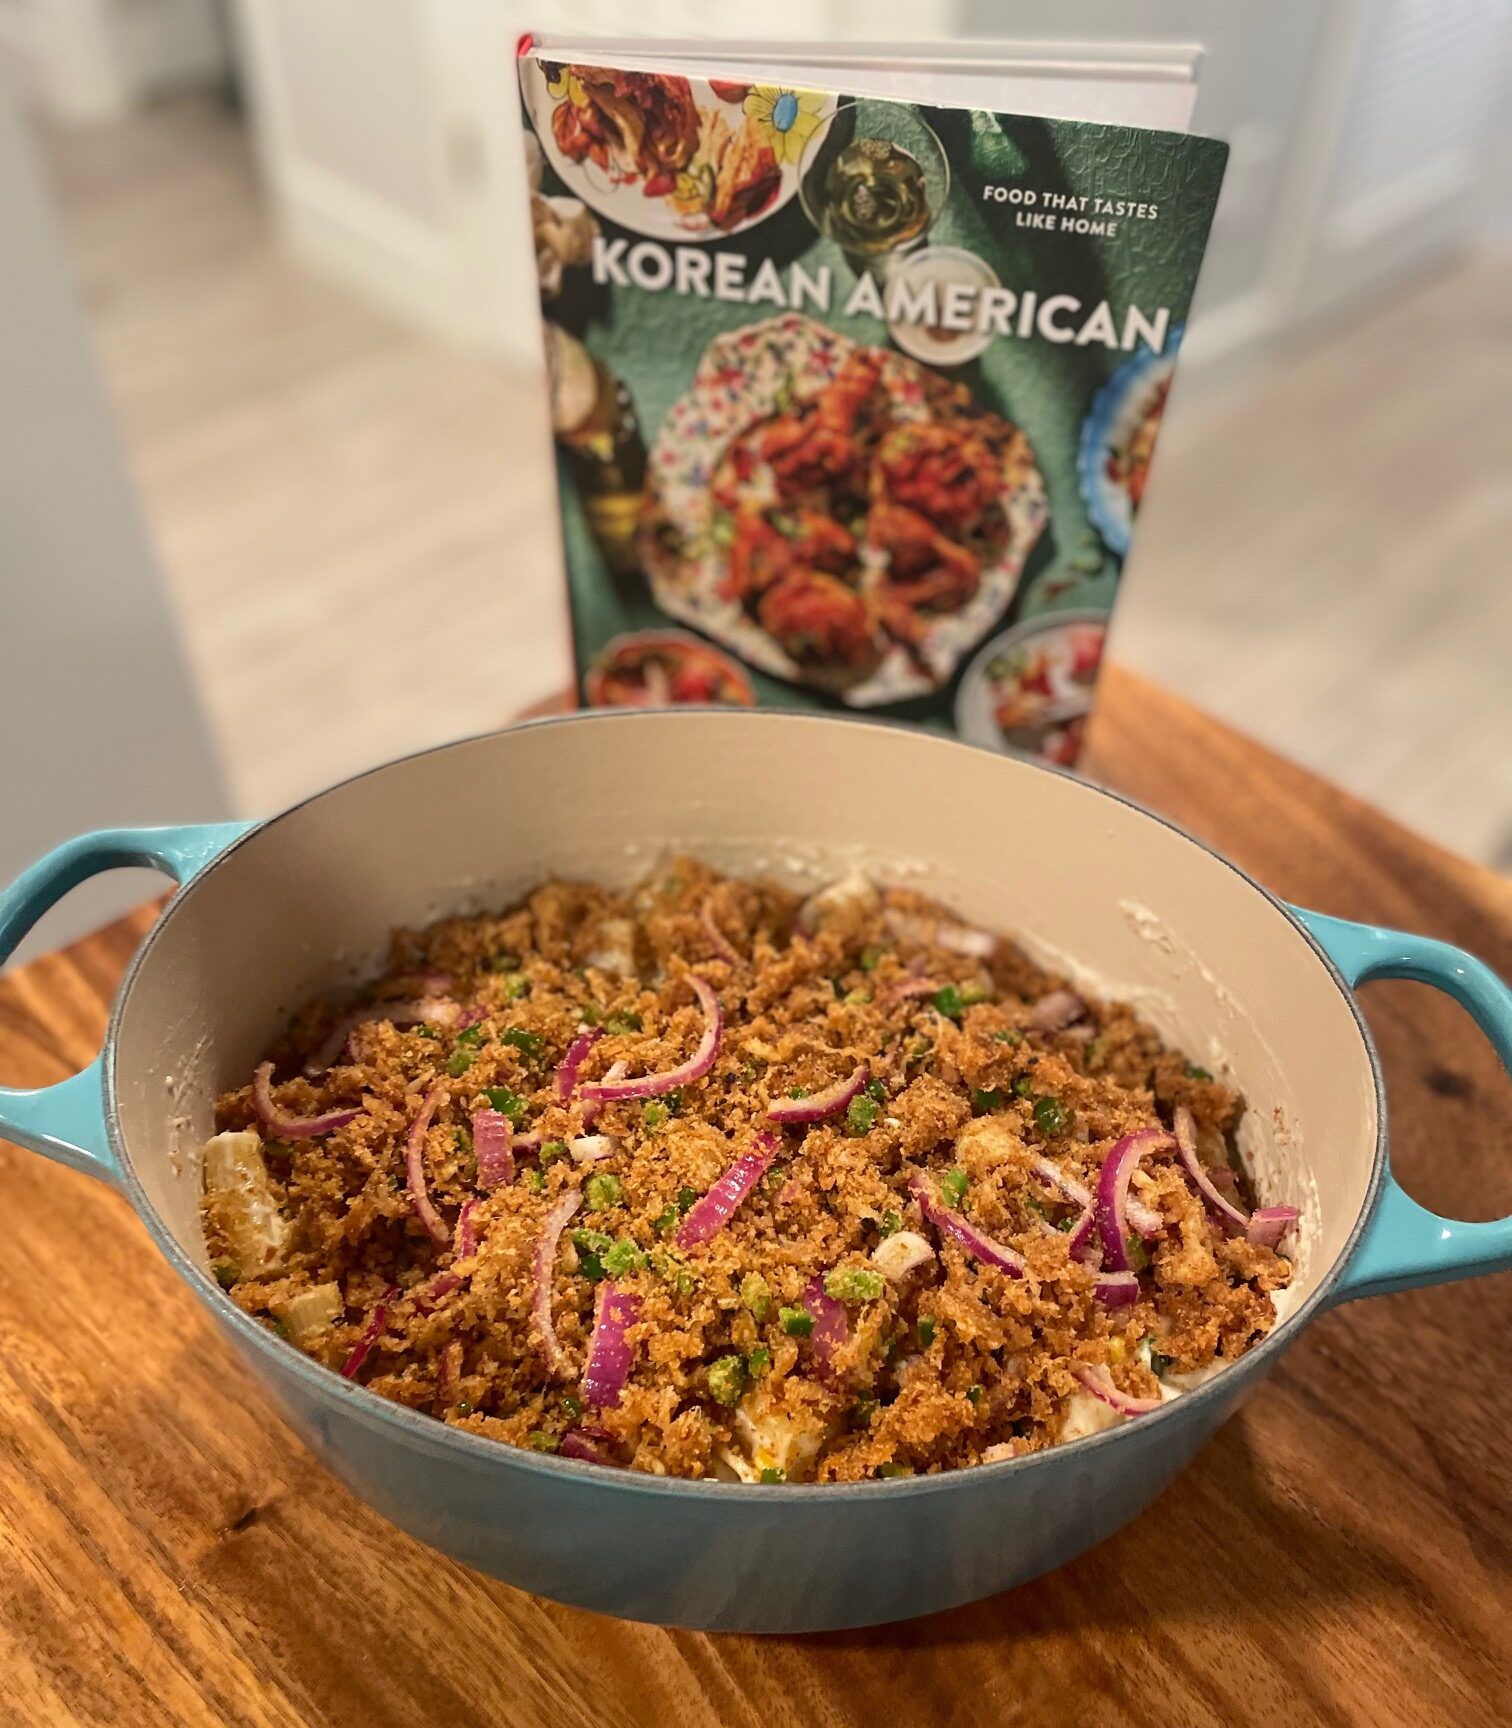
[99, 723]
[87, 61]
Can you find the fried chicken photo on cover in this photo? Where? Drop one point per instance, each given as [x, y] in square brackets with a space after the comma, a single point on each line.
[768, 546]
[631, 124]
[820, 622]
[814, 445]
[944, 472]
[927, 573]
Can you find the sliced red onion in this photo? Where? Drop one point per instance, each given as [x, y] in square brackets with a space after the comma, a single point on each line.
[437, 1289]
[1186, 1144]
[493, 1148]
[609, 1352]
[552, 1226]
[465, 1244]
[1268, 1224]
[592, 1148]
[427, 983]
[940, 933]
[974, 1241]
[591, 1109]
[1056, 1010]
[723, 948]
[1080, 1234]
[1099, 1382]
[1113, 1193]
[567, 1072]
[474, 1016]
[1116, 1289]
[370, 1333]
[1053, 1176]
[284, 1126]
[831, 1324]
[590, 1445]
[830, 1102]
[710, 1214]
[531, 1142]
[698, 1064]
[905, 989]
[449, 1373]
[414, 1166]
[426, 1009]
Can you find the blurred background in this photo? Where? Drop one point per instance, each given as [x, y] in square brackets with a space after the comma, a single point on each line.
[275, 489]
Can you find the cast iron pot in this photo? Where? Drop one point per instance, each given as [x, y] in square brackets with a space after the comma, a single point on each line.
[269, 913]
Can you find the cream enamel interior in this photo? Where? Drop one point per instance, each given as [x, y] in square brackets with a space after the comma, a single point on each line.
[1129, 906]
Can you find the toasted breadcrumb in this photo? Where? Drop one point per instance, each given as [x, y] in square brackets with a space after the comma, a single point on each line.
[953, 1363]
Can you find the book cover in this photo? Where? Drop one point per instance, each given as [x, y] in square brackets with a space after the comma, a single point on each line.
[854, 399]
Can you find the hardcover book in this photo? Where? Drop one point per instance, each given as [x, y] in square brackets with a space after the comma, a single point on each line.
[856, 377]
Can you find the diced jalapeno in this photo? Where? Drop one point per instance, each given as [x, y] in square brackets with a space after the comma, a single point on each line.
[1193, 1072]
[983, 1102]
[1008, 1035]
[953, 1186]
[470, 1037]
[654, 1113]
[926, 1332]
[507, 1103]
[540, 1441]
[891, 1224]
[602, 1189]
[871, 957]
[551, 1150]
[772, 1474]
[796, 1322]
[460, 1062]
[226, 1273]
[623, 1258]
[890, 1470]
[861, 1114]
[1050, 1116]
[759, 1360]
[528, 1044]
[756, 1294]
[727, 1379]
[853, 1284]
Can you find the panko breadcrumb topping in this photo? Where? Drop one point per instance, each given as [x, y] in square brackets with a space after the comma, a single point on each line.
[681, 1282]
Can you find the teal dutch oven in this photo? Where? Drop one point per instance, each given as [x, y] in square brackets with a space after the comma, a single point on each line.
[268, 913]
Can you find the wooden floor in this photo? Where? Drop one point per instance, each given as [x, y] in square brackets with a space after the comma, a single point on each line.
[355, 522]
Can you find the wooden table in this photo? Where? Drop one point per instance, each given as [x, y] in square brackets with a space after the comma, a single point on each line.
[1340, 1553]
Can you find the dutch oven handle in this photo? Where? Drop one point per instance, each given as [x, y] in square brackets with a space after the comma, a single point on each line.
[67, 1121]
[1405, 1244]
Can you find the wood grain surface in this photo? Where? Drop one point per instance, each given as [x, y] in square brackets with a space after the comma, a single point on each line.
[1341, 1553]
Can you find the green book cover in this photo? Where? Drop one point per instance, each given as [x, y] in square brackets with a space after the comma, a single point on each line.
[854, 399]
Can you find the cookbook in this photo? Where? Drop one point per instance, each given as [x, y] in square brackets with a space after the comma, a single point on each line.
[857, 367]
